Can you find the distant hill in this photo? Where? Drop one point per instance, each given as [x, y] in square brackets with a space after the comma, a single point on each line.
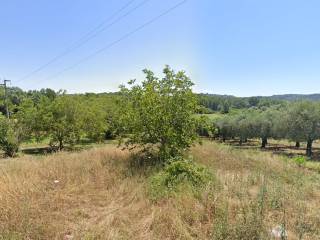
[222, 103]
[285, 97]
[294, 97]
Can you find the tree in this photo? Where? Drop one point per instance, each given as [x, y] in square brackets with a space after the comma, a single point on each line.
[253, 101]
[224, 107]
[226, 127]
[242, 127]
[159, 113]
[95, 116]
[250, 124]
[34, 118]
[303, 121]
[10, 137]
[65, 121]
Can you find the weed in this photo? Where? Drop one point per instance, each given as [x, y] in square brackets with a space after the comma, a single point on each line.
[179, 172]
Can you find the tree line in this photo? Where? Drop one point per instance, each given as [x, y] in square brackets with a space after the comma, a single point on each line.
[224, 103]
[58, 117]
[296, 121]
[157, 114]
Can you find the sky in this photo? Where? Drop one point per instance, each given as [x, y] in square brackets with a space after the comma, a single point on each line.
[234, 47]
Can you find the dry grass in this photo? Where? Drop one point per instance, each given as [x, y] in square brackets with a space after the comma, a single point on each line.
[97, 197]
[291, 194]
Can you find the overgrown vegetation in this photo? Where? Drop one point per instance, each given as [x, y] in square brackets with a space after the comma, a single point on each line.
[161, 185]
[90, 195]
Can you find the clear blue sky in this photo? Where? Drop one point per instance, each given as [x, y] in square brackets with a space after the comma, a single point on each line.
[239, 47]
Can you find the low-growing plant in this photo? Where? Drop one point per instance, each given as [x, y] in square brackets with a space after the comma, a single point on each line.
[300, 160]
[179, 172]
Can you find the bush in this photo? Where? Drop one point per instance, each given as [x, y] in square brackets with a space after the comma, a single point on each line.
[9, 139]
[179, 172]
[10, 147]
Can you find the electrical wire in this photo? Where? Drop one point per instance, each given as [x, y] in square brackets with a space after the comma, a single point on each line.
[112, 44]
[88, 36]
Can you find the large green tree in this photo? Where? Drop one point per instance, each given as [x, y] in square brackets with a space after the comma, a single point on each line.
[159, 113]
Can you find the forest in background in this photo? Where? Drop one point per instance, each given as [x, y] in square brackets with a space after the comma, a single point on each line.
[60, 119]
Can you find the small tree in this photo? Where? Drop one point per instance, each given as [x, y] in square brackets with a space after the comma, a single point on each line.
[9, 137]
[304, 123]
[65, 123]
[226, 128]
[159, 113]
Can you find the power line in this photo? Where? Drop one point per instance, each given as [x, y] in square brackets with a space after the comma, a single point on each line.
[110, 45]
[88, 36]
[85, 38]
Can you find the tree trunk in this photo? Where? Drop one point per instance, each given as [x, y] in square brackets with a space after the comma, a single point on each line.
[264, 142]
[297, 144]
[240, 142]
[309, 148]
[60, 144]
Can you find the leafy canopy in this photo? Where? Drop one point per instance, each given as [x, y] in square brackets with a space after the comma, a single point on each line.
[159, 113]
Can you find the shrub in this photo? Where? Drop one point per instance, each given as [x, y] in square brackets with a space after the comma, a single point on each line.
[179, 172]
[9, 137]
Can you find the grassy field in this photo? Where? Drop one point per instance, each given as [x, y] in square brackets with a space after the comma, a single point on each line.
[98, 194]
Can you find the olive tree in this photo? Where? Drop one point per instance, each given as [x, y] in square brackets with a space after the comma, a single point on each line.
[159, 113]
[225, 127]
[263, 124]
[303, 119]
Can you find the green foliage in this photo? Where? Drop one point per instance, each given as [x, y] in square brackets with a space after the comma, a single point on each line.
[65, 123]
[299, 121]
[300, 160]
[224, 107]
[65, 119]
[253, 101]
[205, 127]
[253, 123]
[179, 172]
[224, 103]
[303, 123]
[159, 114]
[95, 113]
[9, 137]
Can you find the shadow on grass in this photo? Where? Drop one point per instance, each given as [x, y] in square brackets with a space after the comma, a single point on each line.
[143, 164]
[279, 149]
[79, 146]
[39, 150]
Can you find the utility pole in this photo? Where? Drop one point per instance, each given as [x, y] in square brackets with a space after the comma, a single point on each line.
[4, 84]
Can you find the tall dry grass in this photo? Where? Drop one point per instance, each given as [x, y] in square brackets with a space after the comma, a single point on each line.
[95, 195]
[261, 191]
